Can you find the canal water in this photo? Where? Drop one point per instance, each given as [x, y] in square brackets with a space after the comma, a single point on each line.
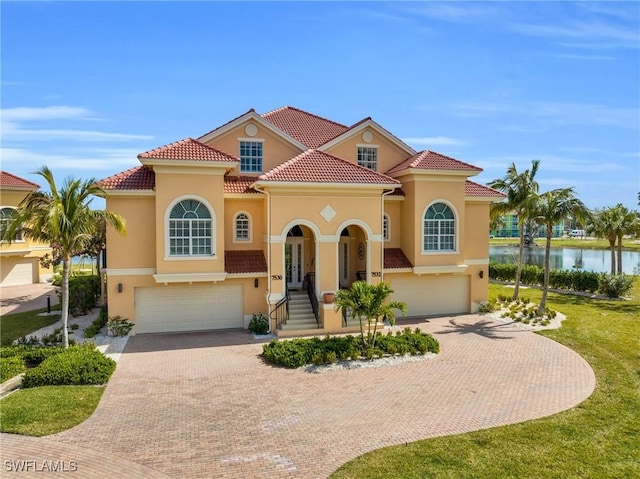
[568, 258]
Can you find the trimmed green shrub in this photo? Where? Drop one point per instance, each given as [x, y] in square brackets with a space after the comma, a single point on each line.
[35, 356]
[78, 365]
[259, 324]
[83, 294]
[300, 352]
[97, 324]
[119, 326]
[614, 285]
[10, 367]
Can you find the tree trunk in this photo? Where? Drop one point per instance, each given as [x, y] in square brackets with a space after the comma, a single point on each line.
[612, 246]
[619, 254]
[547, 267]
[65, 300]
[516, 289]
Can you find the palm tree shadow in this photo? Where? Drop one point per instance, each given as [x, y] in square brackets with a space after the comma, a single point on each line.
[485, 328]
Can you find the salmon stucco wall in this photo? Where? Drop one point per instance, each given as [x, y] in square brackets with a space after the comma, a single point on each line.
[137, 248]
[254, 208]
[389, 155]
[173, 184]
[275, 150]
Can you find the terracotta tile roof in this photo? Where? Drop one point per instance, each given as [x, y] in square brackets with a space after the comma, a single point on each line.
[309, 129]
[398, 192]
[430, 160]
[475, 189]
[315, 166]
[394, 258]
[138, 178]
[187, 149]
[8, 180]
[245, 261]
[240, 184]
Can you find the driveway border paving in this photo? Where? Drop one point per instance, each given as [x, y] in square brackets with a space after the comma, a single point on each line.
[201, 405]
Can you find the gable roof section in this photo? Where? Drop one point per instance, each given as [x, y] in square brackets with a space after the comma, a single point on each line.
[189, 150]
[244, 262]
[480, 191]
[309, 129]
[240, 185]
[430, 160]
[363, 124]
[138, 178]
[9, 180]
[251, 115]
[394, 258]
[315, 166]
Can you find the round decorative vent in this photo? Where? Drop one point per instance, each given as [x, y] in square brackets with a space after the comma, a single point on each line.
[251, 129]
[367, 137]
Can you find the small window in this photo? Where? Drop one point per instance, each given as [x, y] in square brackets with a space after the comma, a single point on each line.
[242, 227]
[439, 228]
[190, 229]
[385, 227]
[6, 215]
[368, 157]
[250, 156]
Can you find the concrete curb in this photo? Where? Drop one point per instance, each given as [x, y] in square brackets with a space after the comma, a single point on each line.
[10, 385]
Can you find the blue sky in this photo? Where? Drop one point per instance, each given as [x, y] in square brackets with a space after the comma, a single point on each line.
[87, 86]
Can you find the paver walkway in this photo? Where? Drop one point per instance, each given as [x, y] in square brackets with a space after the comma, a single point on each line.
[204, 405]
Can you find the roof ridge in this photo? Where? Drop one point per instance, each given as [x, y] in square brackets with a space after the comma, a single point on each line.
[305, 112]
[251, 110]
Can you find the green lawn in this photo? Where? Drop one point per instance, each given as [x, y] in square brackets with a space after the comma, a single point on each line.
[48, 409]
[600, 438]
[14, 326]
[628, 244]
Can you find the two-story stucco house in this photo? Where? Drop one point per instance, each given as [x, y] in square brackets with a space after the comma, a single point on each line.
[20, 260]
[269, 211]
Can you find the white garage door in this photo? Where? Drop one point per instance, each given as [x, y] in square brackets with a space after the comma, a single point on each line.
[20, 273]
[430, 295]
[166, 309]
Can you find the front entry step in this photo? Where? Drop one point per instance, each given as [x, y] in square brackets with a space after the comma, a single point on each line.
[301, 317]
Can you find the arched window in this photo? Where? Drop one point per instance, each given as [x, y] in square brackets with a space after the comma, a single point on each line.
[386, 234]
[6, 214]
[242, 227]
[439, 232]
[190, 229]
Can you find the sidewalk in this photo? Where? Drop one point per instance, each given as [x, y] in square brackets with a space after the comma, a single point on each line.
[18, 299]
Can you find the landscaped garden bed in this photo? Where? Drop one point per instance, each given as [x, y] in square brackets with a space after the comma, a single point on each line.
[523, 311]
[300, 352]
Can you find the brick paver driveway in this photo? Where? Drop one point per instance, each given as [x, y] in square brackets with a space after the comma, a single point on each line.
[204, 405]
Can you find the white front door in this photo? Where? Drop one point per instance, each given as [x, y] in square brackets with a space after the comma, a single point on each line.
[294, 261]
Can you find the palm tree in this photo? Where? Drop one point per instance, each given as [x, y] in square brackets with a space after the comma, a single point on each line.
[62, 218]
[368, 301]
[603, 224]
[519, 188]
[627, 223]
[549, 209]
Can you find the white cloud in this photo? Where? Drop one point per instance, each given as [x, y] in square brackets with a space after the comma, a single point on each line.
[559, 113]
[93, 160]
[44, 113]
[14, 121]
[434, 141]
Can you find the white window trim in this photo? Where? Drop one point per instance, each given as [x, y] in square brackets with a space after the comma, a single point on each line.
[373, 147]
[387, 238]
[214, 231]
[254, 140]
[21, 240]
[250, 228]
[456, 238]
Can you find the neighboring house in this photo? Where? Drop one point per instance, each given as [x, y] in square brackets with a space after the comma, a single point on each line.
[19, 261]
[509, 228]
[282, 207]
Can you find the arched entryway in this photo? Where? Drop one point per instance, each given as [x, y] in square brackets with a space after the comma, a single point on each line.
[353, 255]
[299, 256]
